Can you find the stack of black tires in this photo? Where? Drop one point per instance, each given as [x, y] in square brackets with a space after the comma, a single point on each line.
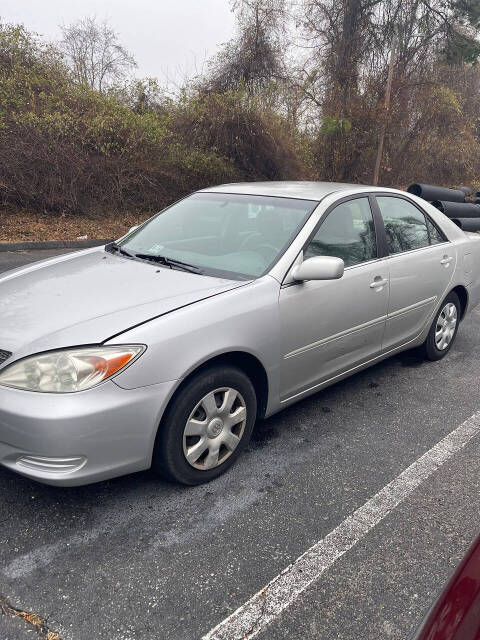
[453, 203]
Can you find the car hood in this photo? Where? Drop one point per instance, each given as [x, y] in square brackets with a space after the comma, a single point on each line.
[89, 296]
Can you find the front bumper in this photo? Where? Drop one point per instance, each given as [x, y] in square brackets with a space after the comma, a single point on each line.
[79, 438]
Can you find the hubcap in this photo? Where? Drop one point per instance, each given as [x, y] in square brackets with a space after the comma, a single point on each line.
[446, 325]
[214, 429]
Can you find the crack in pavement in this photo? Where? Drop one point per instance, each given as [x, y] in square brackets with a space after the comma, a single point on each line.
[36, 621]
[257, 621]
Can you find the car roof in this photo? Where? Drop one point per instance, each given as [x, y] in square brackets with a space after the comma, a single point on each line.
[291, 189]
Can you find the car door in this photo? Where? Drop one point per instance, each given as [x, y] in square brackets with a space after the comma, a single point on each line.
[421, 264]
[328, 327]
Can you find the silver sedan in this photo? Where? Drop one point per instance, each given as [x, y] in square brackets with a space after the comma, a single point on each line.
[162, 349]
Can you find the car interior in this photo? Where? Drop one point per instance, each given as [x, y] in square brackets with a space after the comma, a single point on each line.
[241, 236]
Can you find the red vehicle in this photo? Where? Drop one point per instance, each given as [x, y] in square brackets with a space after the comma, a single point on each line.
[456, 614]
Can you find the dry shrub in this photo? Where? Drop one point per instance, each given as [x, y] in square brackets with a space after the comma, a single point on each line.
[260, 143]
[66, 147]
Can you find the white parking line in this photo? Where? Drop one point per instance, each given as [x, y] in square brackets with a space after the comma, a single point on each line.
[266, 605]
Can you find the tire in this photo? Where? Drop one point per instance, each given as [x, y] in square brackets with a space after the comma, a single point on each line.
[446, 320]
[220, 406]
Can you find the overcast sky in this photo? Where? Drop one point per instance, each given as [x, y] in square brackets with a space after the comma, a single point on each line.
[168, 38]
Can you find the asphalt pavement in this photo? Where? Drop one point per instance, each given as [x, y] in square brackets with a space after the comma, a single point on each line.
[136, 558]
[14, 259]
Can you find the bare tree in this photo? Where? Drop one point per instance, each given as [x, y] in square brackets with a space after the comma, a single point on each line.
[94, 53]
[346, 71]
[254, 58]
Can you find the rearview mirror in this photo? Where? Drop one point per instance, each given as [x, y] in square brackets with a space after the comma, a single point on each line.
[319, 268]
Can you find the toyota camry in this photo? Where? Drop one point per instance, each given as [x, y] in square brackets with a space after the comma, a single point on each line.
[164, 348]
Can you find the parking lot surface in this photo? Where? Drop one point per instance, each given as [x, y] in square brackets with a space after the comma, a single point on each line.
[136, 558]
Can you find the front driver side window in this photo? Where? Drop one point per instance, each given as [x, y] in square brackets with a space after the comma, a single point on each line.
[348, 232]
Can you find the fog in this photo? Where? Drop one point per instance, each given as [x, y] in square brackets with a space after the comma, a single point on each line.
[168, 39]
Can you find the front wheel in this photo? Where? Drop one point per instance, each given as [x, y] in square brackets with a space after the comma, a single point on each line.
[206, 426]
[444, 329]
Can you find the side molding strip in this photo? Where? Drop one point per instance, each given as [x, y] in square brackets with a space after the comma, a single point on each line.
[412, 307]
[360, 327]
[336, 336]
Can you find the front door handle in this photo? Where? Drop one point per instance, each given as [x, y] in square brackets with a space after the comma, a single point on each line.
[378, 283]
[446, 260]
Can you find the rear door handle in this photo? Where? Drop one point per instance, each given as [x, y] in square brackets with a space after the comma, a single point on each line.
[446, 260]
[378, 283]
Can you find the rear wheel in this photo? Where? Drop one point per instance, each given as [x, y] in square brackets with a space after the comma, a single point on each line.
[443, 330]
[206, 427]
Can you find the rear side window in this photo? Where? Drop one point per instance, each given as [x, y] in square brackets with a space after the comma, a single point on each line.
[348, 232]
[436, 236]
[405, 225]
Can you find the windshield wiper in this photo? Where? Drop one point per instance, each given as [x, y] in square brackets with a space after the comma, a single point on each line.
[113, 246]
[169, 262]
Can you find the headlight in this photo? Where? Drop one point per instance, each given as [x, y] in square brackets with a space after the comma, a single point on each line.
[69, 370]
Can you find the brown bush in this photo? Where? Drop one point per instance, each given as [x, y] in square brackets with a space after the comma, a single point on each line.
[66, 147]
[259, 143]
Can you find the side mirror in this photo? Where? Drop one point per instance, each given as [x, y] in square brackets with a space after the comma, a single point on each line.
[319, 268]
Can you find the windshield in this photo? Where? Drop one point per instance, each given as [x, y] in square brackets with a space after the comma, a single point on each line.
[223, 234]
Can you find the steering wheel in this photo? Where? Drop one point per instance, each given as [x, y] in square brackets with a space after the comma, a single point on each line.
[247, 239]
[267, 251]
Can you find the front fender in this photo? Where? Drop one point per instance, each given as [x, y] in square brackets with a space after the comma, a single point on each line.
[244, 319]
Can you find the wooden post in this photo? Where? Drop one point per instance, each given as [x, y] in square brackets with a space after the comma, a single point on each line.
[388, 93]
